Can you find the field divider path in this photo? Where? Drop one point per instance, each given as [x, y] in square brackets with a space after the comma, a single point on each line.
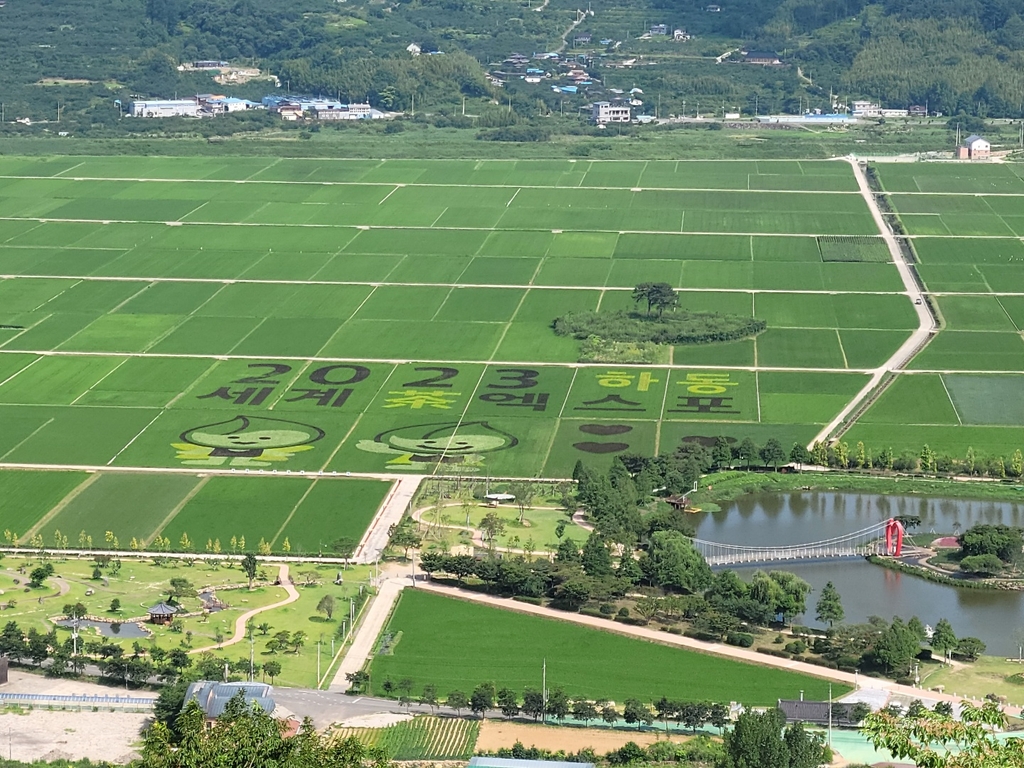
[427, 284]
[241, 621]
[713, 649]
[926, 322]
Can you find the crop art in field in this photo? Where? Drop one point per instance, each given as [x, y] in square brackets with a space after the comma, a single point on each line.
[422, 446]
[245, 441]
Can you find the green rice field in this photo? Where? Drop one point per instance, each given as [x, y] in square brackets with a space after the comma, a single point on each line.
[471, 646]
[963, 389]
[394, 316]
[311, 514]
[260, 318]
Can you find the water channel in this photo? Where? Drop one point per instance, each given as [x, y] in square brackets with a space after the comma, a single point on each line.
[868, 590]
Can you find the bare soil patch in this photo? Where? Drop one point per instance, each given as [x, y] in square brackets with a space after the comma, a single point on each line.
[496, 734]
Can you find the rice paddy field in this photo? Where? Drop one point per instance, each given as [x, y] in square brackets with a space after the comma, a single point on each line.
[260, 317]
[964, 388]
[472, 646]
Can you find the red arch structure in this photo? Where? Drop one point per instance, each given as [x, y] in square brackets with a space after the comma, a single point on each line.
[894, 537]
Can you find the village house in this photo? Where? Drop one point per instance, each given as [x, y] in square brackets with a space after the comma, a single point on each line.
[762, 58]
[602, 112]
[974, 148]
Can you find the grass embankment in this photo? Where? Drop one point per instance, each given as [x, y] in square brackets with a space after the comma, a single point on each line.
[458, 645]
[727, 486]
[429, 142]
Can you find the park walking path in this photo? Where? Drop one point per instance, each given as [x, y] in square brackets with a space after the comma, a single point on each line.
[243, 620]
[925, 321]
[714, 649]
[390, 513]
[369, 630]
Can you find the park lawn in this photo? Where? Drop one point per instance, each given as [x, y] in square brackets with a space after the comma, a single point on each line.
[539, 524]
[976, 680]
[138, 585]
[458, 645]
[299, 669]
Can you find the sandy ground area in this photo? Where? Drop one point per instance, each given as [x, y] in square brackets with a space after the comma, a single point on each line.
[42, 735]
[26, 682]
[495, 734]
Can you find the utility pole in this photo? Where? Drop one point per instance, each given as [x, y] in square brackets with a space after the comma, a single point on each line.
[544, 690]
[830, 715]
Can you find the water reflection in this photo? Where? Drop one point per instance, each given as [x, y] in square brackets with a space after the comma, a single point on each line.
[866, 590]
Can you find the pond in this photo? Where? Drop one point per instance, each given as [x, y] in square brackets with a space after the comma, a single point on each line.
[130, 630]
[869, 590]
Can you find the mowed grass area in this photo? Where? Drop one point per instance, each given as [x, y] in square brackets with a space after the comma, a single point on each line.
[455, 644]
[311, 514]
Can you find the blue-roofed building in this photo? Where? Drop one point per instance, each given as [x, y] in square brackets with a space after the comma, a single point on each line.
[507, 762]
[213, 697]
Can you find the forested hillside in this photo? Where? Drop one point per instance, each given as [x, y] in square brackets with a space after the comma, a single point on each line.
[954, 55]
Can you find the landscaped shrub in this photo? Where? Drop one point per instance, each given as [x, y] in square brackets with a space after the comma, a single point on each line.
[796, 647]
[530, 600]
[742, 639]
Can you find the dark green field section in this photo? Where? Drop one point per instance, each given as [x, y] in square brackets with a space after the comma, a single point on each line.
[313, 515]
[584, 662]
[949, 412]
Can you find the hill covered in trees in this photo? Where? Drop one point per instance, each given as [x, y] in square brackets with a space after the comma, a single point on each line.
[954, 55]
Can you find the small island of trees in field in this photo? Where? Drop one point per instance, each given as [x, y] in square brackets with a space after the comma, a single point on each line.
[625, 336]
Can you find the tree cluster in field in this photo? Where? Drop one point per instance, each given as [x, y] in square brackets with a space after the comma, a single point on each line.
[244, 736]
[654, 326]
